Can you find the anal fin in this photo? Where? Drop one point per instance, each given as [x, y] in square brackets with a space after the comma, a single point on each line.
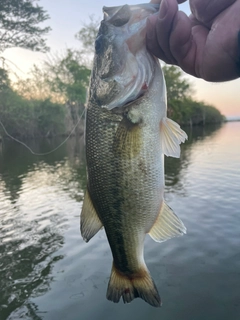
[167, 225]
[90, 222]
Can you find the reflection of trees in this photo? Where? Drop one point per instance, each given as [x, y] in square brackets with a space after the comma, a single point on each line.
[16, 161]
[174, 167]
[77, 160]
[25, 267]
[32, 310]
[32, 217]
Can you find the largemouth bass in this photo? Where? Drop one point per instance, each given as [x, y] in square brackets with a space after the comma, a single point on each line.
[127, 135]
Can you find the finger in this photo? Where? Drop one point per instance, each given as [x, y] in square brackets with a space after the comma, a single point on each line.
[195, 22]
[163, 26]
[187, 44]
[152, 43]
[206, 10]
[222, 46]
[181, 42]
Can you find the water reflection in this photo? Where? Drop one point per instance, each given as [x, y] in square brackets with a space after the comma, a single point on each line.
[34, 194]
[175, 169]
[28, 240]
[16, 162]
[39, 196]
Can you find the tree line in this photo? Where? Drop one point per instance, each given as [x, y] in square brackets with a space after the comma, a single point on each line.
[52, 99]
[181, 106]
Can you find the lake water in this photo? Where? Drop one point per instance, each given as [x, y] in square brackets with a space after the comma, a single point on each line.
[48, 272]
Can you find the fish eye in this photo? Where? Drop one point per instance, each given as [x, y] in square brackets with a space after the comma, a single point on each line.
[98, 44]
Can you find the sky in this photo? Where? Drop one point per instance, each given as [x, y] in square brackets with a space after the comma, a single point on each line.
[67, 18]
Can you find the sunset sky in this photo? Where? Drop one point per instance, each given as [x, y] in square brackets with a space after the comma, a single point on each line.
[67, 18]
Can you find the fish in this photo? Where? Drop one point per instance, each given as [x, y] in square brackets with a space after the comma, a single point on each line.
[127, 133]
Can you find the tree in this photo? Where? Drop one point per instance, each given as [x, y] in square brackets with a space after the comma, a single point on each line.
[19, 25]
[69, 76]
[4, 80]
[178, 88]
[36, 86]
[62, 78]
[87, 35]
[181, 107]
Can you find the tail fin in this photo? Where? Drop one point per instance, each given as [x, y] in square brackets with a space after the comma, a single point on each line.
[141, 285]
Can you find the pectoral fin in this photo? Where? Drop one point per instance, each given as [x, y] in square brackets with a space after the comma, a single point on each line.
[172, 135]
[128, 139]
[90, 222]
[167, 225]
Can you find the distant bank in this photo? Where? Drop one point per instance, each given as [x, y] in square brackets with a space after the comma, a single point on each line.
[235, 118]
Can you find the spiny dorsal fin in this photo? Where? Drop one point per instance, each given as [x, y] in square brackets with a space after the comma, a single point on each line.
[90, 222]
[172, 136]
[167, 225]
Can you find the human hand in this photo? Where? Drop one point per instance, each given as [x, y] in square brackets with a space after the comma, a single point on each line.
[206, 44]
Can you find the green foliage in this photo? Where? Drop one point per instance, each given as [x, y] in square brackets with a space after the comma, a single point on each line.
[178, 88]
[15, 113]
[50, 100]
[190, 112]
[61, 79]
[35, 87]
[181, 107]
[68, 76]
[28, 118]
[4, 80]
[212, 115]
[19, 25]
[88, 34]
[61, 84]
[49, 117]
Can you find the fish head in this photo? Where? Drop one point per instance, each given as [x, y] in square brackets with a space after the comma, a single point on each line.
[123, 68]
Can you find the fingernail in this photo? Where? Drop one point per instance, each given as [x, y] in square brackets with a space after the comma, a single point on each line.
[163, 9]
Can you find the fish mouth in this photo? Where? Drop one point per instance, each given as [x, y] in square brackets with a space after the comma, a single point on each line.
[124, 68]
[134, 77]
[135, 89]
[123, 11]
[120, 15]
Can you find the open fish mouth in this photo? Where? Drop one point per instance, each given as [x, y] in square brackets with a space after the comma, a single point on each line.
[124, 68]
[122, 13]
